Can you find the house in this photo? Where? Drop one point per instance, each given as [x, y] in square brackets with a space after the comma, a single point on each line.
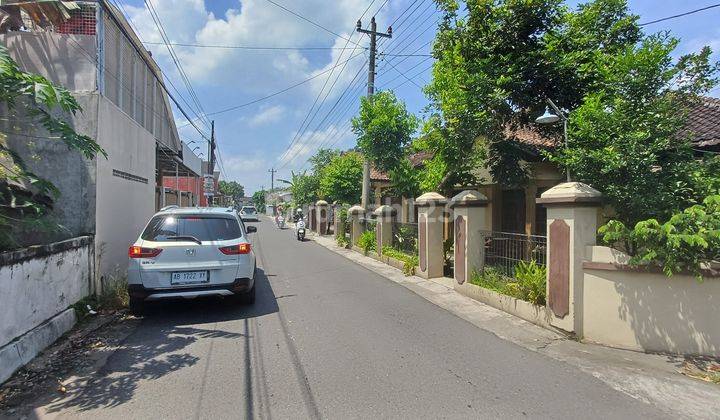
[514, 210]
[91, 50]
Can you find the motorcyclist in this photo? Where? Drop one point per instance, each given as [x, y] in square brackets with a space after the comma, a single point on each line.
[298, 215]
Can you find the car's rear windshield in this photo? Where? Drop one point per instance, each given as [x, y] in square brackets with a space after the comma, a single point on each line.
[249, 210]
[204, 228]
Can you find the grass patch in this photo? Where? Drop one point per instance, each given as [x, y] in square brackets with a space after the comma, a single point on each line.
[528, 284]
[367, 241]
[409, 261]
[113, 297]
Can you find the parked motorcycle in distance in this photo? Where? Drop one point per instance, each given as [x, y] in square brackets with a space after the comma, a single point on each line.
[300, 230]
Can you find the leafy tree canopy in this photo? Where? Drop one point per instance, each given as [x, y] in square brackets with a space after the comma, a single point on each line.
[304, 187]
[384, 127]
[232, 188]
[499, 60]
[342, 179]
[258, 199]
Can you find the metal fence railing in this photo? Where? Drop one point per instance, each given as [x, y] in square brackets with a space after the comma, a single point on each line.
[504, 250]
[405, 237]
[368, 224]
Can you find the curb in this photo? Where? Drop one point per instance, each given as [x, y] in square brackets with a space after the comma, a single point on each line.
[23, 349]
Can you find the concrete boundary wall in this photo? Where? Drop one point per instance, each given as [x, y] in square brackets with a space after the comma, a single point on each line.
[647, 311]
[37, 285]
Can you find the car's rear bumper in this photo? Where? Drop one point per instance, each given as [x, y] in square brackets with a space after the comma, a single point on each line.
[239, 286]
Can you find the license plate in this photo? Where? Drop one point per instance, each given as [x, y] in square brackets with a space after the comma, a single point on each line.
[189, 277]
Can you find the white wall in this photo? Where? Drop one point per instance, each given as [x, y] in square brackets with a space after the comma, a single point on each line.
[36, 289]
[123, 206]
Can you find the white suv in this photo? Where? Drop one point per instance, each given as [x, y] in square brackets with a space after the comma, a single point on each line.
[191, 252]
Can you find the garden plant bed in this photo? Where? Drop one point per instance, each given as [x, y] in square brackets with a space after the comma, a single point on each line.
[538, 315]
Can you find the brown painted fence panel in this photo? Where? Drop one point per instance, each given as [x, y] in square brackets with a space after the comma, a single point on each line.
[559, 268]
[422, 245]
[460, 244]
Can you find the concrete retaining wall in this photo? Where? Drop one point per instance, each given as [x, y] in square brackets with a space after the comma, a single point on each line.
[538, 315]
[37, 285]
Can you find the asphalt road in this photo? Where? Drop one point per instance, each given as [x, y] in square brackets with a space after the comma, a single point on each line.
[329, 339]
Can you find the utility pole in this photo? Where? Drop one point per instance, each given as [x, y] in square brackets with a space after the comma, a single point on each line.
[211, 164]
[365, 198]
[272, 178]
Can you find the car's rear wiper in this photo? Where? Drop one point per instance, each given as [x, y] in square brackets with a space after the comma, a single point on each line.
[184, 238]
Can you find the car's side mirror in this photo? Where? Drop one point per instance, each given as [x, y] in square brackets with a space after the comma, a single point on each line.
[250, 229]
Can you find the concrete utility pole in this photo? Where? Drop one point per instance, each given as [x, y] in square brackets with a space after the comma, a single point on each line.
[365, 198]
[211, 160]
[272, 178]
[211, 147]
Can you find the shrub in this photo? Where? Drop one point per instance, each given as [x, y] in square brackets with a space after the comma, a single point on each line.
[368, 241]
[528, 284]
[686, 242]
[341, 241]
[409, 261]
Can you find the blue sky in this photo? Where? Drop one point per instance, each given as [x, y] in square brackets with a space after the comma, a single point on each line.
[269, 133]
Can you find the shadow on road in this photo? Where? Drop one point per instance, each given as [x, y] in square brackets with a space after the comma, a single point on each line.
[159, 346]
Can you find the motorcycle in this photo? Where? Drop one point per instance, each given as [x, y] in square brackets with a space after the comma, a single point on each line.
[280, 222]
[300, 230]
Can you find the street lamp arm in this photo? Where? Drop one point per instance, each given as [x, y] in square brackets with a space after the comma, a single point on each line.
[555, 108]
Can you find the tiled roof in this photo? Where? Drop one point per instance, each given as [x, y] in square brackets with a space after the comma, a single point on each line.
[527, 135]
[376, 175]
[416, 159]
[703, 123]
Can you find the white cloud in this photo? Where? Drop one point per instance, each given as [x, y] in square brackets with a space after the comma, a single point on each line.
[252, 23]
[249, 170]
[267, 115]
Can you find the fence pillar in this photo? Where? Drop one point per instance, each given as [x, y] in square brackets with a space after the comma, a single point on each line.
[355, 213]
[338, 228]
[383, 228]
[571, 226]
[469, 208]
[311, 217]
[321, 213]
[430, 234]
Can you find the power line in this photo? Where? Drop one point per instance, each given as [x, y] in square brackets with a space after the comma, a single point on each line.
[120, 7]
[402, 74]
[308, 20]
[248, 47]
[93, 59]
[186, 80]
[414, 76]
[302, 130]
[232, 108]
[680, 15]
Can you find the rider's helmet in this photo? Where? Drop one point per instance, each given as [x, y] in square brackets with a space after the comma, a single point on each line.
[298, 211]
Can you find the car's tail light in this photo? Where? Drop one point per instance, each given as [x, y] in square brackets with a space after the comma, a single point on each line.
[140, 252]
[236, 249]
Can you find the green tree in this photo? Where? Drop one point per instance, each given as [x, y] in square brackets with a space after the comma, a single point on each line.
[405, 179]
[322, 159]
[384, 128]
[26, 198]
[233, 189]
[499, 60]
[304, 187]
[342, 179]
[258, 199]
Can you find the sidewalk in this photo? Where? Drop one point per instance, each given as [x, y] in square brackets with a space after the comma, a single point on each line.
[650, 378]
